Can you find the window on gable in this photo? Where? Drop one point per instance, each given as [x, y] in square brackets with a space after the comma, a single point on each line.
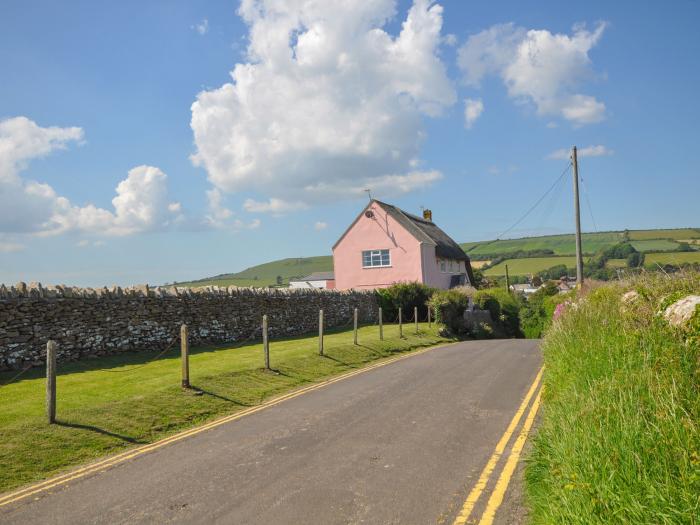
[375, 258]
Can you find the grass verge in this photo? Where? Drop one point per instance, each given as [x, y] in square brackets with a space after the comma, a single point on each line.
[619, 440]
[106, 405]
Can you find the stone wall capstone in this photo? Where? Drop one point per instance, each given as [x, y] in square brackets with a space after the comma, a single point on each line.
[88, 322]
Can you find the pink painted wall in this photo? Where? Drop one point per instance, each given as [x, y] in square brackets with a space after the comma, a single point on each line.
[378, 233]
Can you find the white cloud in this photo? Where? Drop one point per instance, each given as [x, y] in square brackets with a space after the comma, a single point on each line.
[590, 151]
[273, 205]
[221, 217]
[450, 40]
[473, 108]
[202, 28]
[28, 206]
[84, 243]
[327, 104]
[320, 225]
[537, 67]
[10, 247]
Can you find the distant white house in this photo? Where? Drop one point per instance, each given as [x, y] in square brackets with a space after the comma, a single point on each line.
[526, 289]
[314, 280]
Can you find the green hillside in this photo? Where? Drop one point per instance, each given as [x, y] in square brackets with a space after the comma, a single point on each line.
[666, 241]
[643, 240]
[266, 274]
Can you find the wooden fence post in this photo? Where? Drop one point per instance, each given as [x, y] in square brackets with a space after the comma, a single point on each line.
[415, 316]
[185, 355]
[354, 326]
[266, 343]
[320, 332]
[381, 327]
[400, 321]
[51, 382]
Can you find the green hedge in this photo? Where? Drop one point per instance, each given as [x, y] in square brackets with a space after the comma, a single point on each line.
[406, 296]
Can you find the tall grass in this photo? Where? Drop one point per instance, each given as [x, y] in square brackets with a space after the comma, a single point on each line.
[619, 440]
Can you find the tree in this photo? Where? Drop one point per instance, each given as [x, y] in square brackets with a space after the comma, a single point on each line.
[279, 280]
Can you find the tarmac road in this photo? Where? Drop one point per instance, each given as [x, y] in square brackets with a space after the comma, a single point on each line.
[402, 443]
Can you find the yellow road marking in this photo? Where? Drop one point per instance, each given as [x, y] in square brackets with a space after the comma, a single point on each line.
[56, 481]
[499, 490]
[475, 493]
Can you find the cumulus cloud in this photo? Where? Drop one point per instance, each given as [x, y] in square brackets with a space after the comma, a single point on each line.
[590, 151]
[328, 103]
[537, 67]
[473, 108]
[28, 206]
[320, 225]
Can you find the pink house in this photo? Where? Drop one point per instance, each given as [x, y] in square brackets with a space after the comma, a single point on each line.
[386, 245]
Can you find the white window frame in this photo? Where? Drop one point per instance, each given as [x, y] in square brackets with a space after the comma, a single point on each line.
[382, 255]
[443, 265]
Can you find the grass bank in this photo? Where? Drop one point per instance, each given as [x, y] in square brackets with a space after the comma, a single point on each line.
[619, 440]
[106, 405]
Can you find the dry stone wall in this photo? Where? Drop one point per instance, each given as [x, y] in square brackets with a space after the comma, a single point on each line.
[87, 322]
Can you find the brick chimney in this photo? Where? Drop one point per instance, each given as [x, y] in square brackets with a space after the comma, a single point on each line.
[428, 215]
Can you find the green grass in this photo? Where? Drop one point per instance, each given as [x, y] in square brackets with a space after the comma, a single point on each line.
[619, 439]
[676, 234]
[654, 244]
[103, 410]
[529, 265]
[616, 263]
[560, 244]
[266, 274]
[672, 258]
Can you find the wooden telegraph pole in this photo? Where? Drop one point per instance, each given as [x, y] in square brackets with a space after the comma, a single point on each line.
[507, 280]
[579, 253]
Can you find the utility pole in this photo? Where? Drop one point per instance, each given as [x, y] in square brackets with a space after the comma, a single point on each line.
[507, 280]
[579, 253]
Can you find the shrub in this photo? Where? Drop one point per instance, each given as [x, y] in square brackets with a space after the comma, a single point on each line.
[405, 296]
[533, 316]
[504, 309]
[449, 307]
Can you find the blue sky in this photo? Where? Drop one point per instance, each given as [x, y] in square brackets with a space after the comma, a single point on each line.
[94, 94]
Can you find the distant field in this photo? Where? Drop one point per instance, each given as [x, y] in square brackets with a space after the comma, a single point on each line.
[655, 244]
[559, 244]
[677, 234]
[479, 264]
[617, 263]
[530, 265]
[672, 258]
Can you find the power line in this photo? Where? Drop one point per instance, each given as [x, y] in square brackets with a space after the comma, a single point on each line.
[588, 202]
[528, 212]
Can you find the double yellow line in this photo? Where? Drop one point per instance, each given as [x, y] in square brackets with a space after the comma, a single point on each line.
[82, 472]
[499, 489]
